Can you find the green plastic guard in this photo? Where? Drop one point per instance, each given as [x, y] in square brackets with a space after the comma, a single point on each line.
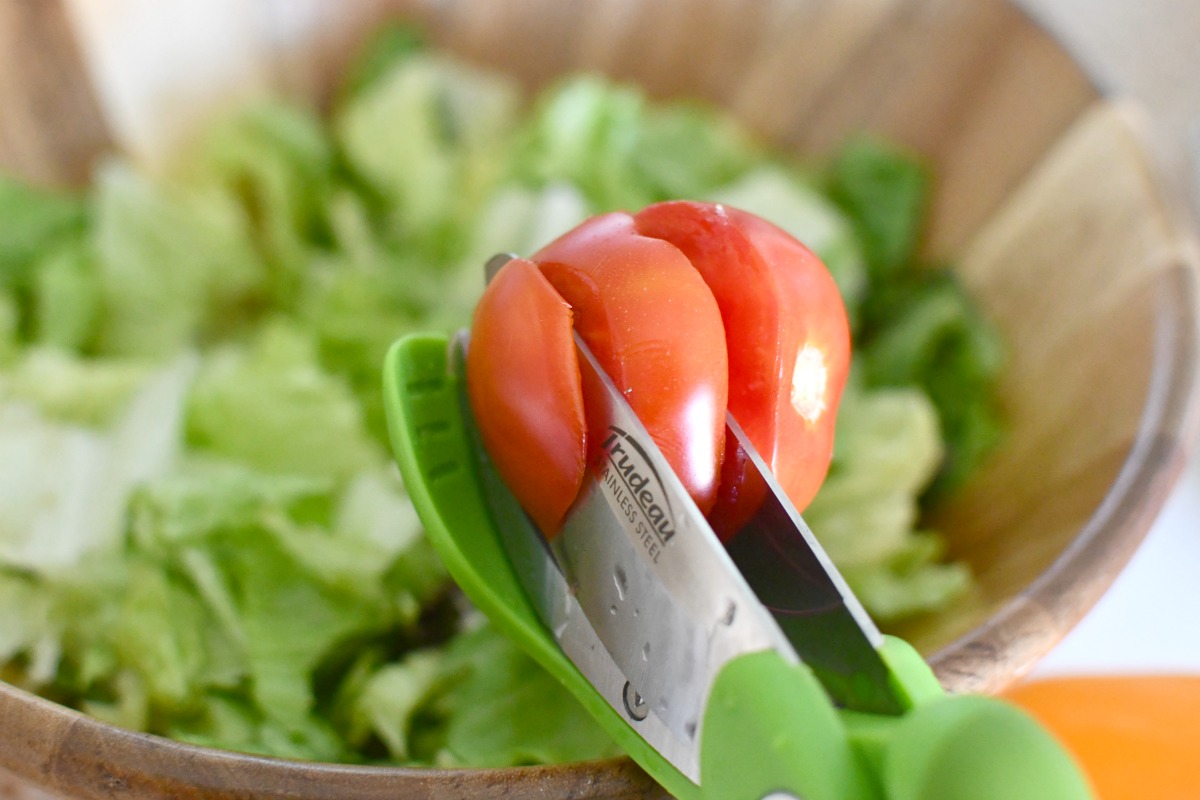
[769, 727]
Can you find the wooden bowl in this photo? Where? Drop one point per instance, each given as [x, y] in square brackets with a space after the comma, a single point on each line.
[1045, 199]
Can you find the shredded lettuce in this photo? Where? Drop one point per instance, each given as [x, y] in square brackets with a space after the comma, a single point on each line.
[918, 326]
[887, 448]
[33, 222]
[166, 259]
[431, 139]
[624, 152]
[68, 388]
[884, 190]
[64, 487]
[493, 686]
[201, 534]
[9, 320]
[268, 404]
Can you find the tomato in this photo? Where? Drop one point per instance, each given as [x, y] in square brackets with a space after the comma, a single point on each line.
[1135, 736]
[690, 309]
[655, 328]
[788, 345]
[523, 385]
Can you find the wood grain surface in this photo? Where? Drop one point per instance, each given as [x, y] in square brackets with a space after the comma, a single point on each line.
[1044, 195]
[51, 127]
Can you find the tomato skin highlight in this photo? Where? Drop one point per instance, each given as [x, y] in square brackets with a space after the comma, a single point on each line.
[524, 388]
[780, 309]
[655, 328]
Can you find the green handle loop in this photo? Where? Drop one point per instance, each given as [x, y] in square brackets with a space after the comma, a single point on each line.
[965, 747]
[959, 747]
[770, 729]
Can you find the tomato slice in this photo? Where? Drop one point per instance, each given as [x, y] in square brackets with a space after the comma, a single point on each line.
[690, 308]
[655, 328]
[524, 388]
[788, 344]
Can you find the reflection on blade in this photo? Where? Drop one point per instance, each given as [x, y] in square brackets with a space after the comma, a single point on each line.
[795, 579]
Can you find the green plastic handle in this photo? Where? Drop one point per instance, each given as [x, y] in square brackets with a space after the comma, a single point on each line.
[770, 729]
[964, 747]
[769, 726]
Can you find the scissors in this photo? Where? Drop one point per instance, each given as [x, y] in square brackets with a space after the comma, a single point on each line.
[726, 672]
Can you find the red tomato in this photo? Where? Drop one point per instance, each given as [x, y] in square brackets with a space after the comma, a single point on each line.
[523, 385]
[788, 345]
[653, 325]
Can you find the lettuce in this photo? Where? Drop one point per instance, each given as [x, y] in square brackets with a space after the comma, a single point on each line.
[10, 345]
[32, 222]
[65, 288]
[623, 152]
[488, 709]
[268, 404]
[917, 326]
[165, 260]
[431, 140]
[64, 486]
[888, 447]
[469, 705]
[67, 388]
[273, 170]
[884, 191]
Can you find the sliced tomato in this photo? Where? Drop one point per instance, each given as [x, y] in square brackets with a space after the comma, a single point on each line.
[655, 328]
[524, 388]
[788, 346]
[816, 358]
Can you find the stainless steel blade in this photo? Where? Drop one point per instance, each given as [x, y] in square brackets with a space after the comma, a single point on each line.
[661, 593]
[796, 580]
[559, 610]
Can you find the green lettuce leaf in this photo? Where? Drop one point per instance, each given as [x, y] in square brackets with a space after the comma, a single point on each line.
[33, 221]
[64, 486]
[623, 152]
[275, 168]
[489, 711]
[469, 704]
[928, 334]
[885, 191]
[68, 388]
[270, 405]
[66, 297]
[166, 258]
[10, 345]
[888, 447]
[378, 59]
[236, 587]
[431, 139]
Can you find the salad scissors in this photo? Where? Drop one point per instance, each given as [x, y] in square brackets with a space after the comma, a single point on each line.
[726, 672]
